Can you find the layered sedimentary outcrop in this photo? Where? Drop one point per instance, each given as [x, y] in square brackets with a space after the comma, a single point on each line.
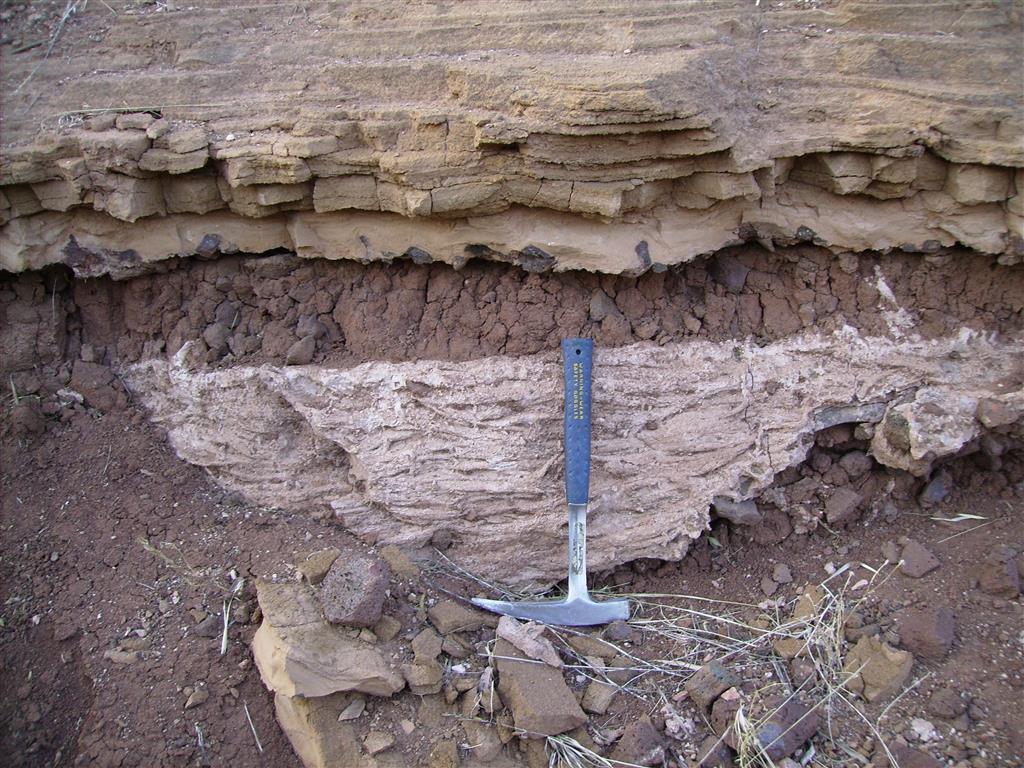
[607, 138]
[864, 158]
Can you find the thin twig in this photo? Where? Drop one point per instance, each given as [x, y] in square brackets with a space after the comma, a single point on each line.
[961, 533]
[69, 11]
[252, 727]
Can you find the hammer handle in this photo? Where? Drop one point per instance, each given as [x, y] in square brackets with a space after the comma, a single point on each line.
[578, 359]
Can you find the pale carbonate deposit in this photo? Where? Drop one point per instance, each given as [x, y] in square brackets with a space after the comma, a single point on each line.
[402, 451]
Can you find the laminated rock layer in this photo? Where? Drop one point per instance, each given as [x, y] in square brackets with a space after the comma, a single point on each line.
[399, 452]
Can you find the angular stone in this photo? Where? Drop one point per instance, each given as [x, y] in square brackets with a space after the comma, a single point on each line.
[977, 184]
[378, 741]
[166, 161]
[113, 150]
[485, 743]
[316, 565]
[275, 194]
[946, 703]
[127, 198]
[301, 351]
[999, 574]
[709, 682]
[300, 654]
[927, 632]
[448, 616]
[789, 725]
[424, 676]
[738, 512]
[641, 744]
[875, 669]
[598, 697]
[540, 701]
[305, 146]
[195, 193]
[387, 628]
[916, 560]
[426, 646]
[340, 192]
[59, 194]
[842, 506]
[587, 645]
[265, 169]
[722, 186]
[714, 753]
[184, 139]
[312, 727]
[353, 590]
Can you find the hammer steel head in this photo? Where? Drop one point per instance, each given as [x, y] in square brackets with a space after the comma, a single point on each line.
[572, 612]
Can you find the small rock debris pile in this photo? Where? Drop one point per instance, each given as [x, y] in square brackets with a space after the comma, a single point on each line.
[492, 691]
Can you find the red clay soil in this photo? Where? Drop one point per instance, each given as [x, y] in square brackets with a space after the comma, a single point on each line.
[82, 594]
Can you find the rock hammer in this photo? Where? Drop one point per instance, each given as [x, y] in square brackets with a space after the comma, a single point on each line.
[577, 609]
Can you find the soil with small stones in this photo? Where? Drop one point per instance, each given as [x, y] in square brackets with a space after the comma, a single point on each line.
[258, 309]
[111, 544]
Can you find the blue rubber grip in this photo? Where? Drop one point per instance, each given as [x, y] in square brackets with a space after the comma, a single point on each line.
[578, 360]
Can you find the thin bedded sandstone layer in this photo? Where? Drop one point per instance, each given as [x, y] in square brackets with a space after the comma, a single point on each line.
[609, 137]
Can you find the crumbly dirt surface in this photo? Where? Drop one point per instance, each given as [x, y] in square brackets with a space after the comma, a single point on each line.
[77, 581]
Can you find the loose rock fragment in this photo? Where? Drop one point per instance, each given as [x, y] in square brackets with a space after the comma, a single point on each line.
[540, 700]
[353, 591]
[787, 728]
[641, 744]
[448, 616]
[916, 560]
[528, 638]
[709, 682]
[312, 727]
[842, 506]
[426, 646]
[316, 565]
[299, 654]
[999, 573]
[377, 741]
[876, 669]
[927, 632]
[598, 697]
[424, 677]
[738, 512]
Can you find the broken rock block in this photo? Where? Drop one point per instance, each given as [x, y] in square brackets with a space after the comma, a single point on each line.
[299, 654]
[786, 728]
[315, 733]
[876, 670]
[999, 574]
[709, 682]
[448, 616]
[424, 676]
[927, 632]
[354, 589]
[538, 696]
[641, 744]
[977, 184]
